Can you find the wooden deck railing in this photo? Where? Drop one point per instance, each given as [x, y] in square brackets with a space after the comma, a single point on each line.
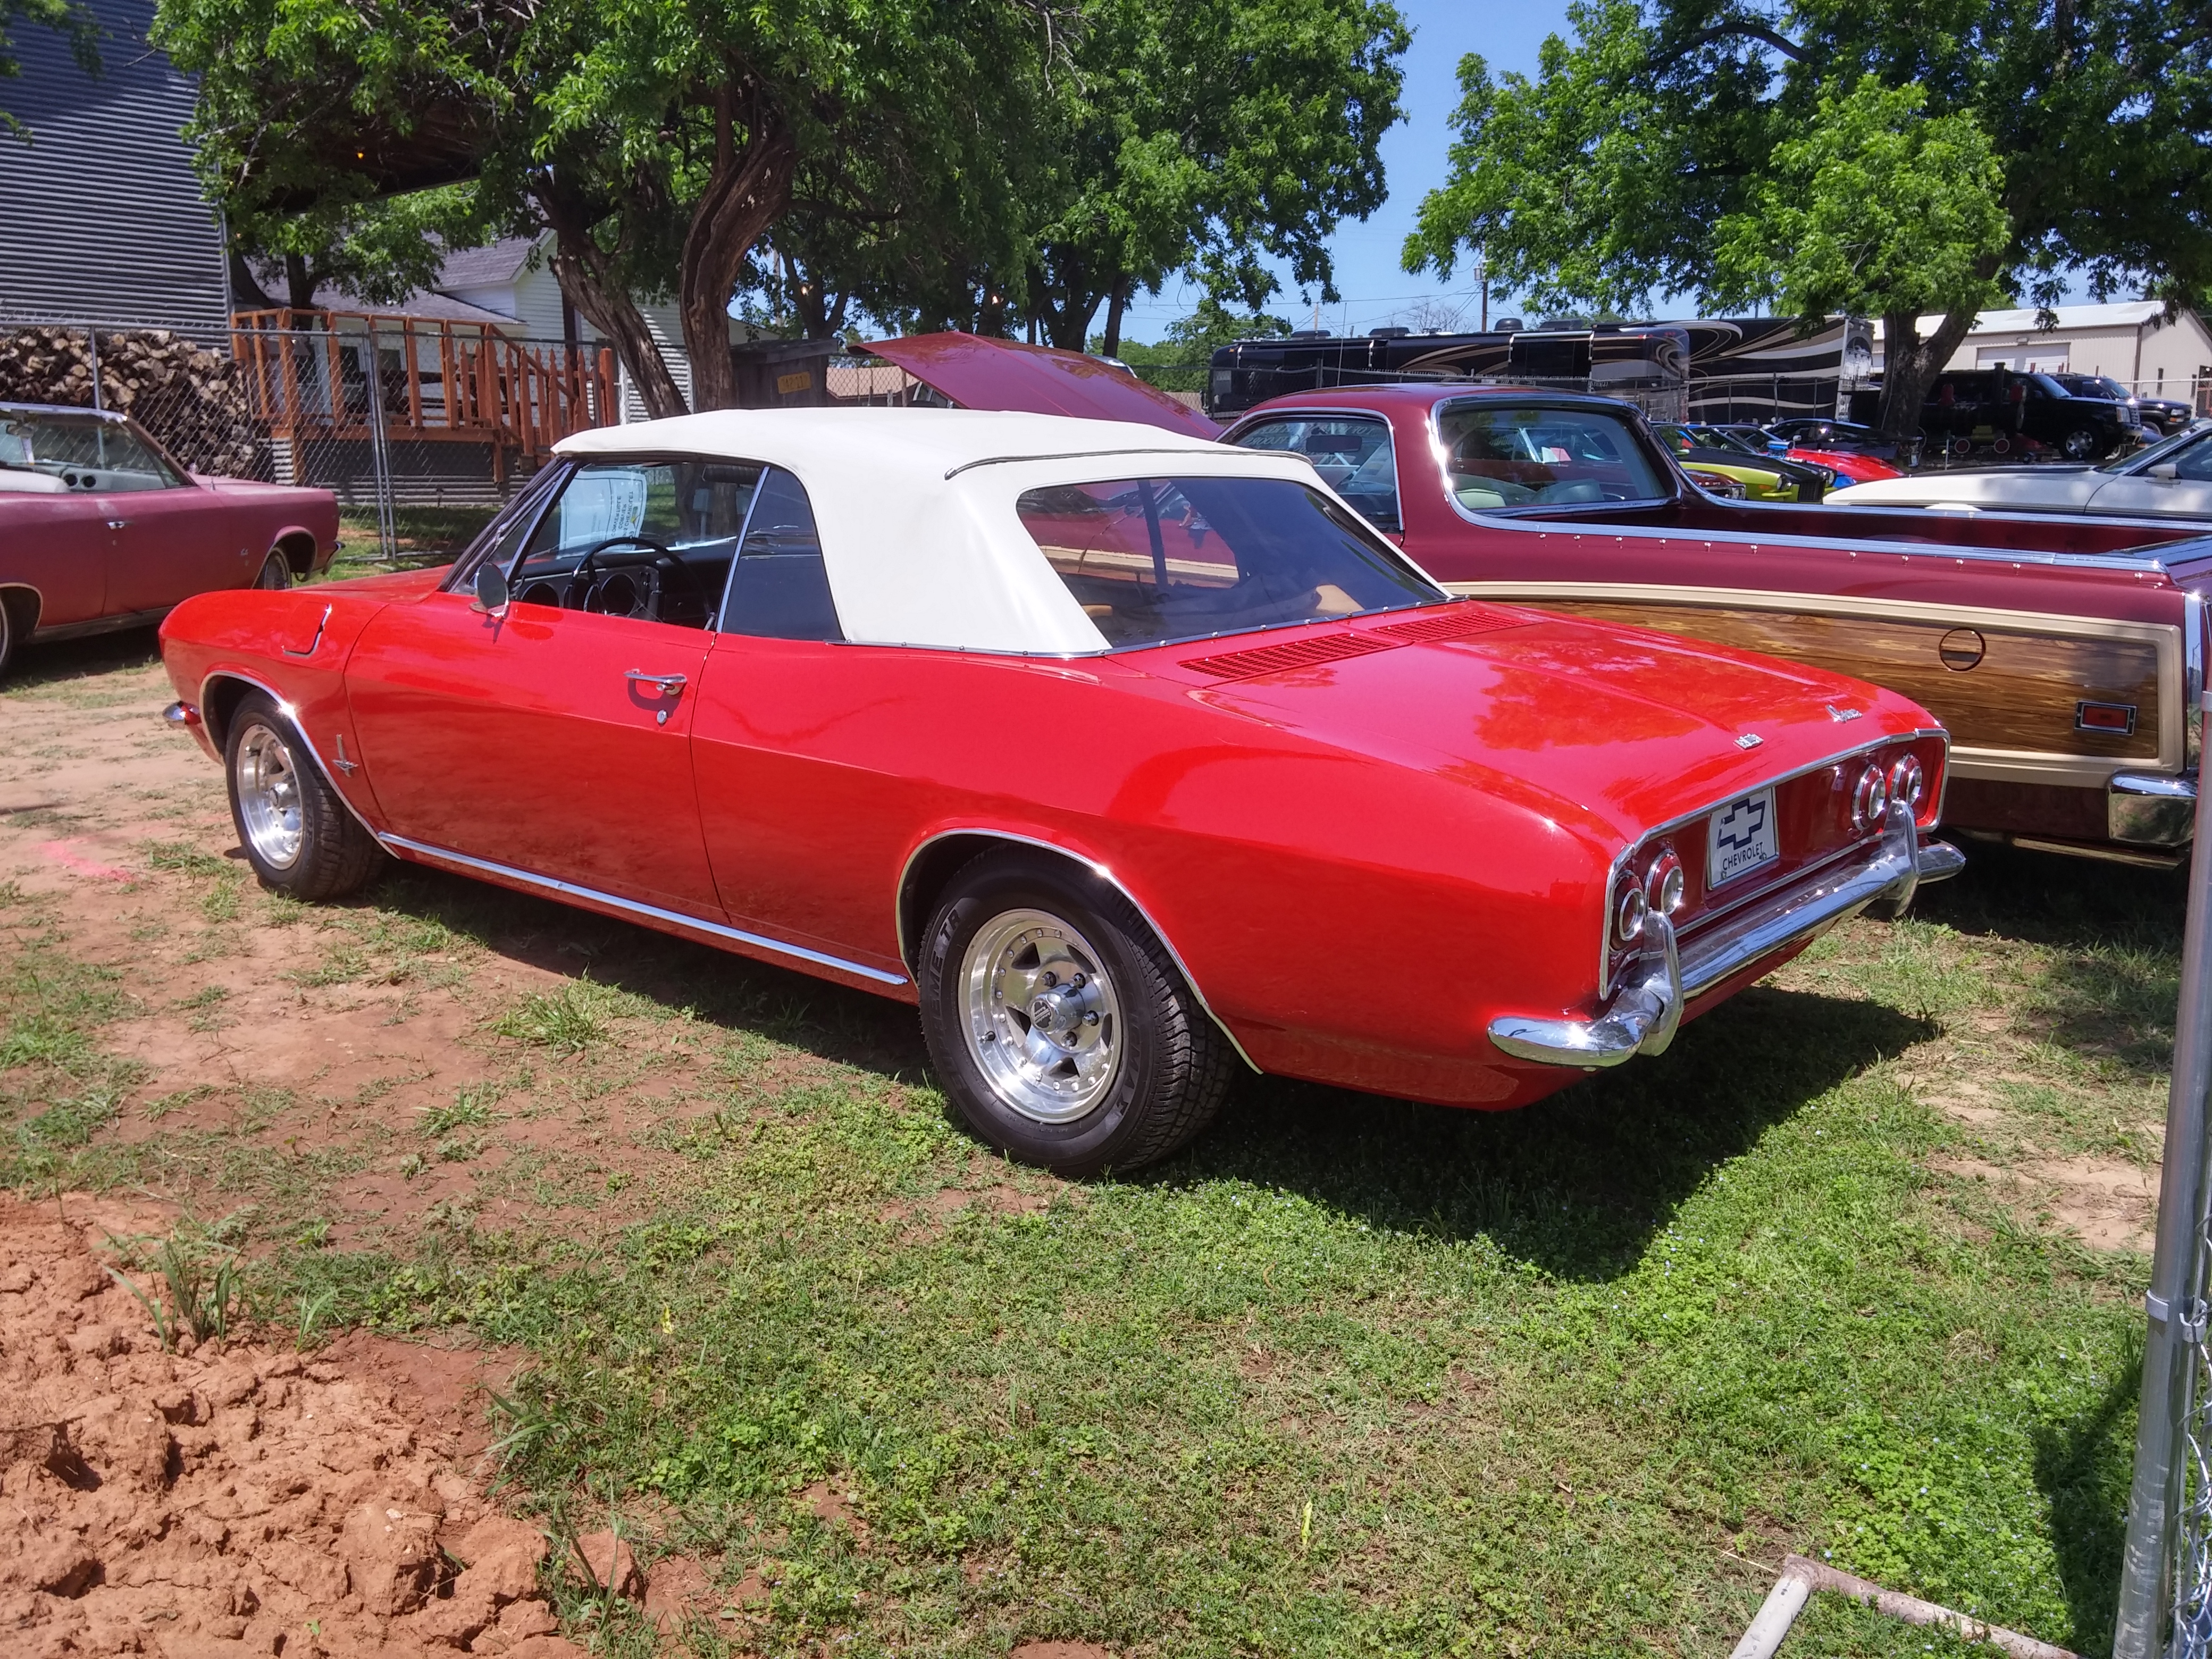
[439, 380]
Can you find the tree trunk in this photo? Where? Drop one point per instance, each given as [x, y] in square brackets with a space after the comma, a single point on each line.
[1068, 324]
[245, 290]
[1910, 365]
[299, 283]
[1114, 307]
[588, 283]
[747, 191]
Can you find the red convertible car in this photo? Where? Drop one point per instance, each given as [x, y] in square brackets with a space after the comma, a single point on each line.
[1124, 754]
[100, 529]
[2065, 656]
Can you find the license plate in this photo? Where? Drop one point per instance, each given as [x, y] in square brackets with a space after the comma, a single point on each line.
[1741, 837]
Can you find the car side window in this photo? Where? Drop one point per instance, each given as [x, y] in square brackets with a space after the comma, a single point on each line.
[648, 539]
[85, 453]
[779, 587]
[2195, 463]
[1352, 454]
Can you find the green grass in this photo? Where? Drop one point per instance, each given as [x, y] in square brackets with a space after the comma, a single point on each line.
[1351, 1377]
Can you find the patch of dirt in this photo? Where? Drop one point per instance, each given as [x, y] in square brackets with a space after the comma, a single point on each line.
[242, 1499]
[2106, 1204]
[929, 1215]
[1062, 1650]
[832, 1508]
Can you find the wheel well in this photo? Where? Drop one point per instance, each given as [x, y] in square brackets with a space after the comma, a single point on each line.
[23, 604]
[937, 864]
[219, 701]
[298, 548]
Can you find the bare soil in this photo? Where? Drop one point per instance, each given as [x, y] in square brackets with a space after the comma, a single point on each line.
[240, 1498]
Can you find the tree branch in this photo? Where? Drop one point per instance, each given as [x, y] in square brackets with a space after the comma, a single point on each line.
[1758, 32]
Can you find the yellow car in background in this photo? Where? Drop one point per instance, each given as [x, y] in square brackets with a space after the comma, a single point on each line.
[1763, 477]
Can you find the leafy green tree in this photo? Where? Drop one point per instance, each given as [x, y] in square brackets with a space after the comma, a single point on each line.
[1877, 210]
[1209, 135]
[67, 18]
[1609, 177]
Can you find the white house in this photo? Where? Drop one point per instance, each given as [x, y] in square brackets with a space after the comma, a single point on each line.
[2133, 341]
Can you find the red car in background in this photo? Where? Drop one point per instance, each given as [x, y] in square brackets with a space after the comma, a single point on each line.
[100, 529]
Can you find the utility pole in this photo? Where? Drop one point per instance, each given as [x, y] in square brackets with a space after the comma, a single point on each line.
[1482, 270]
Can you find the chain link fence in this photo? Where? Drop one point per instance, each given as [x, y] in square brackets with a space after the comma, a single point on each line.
[421, 428]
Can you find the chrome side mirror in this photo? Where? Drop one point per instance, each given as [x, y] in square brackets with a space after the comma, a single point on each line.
[491, 589]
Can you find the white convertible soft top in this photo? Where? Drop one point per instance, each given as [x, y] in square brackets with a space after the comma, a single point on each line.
[915, 507]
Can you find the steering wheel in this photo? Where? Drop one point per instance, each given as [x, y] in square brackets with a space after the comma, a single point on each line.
[584, 584]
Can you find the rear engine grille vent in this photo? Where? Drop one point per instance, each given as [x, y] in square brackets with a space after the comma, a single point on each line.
[1457, 625]
[1293, 653]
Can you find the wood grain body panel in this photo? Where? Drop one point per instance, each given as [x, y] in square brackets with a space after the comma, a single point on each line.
[2010, 716]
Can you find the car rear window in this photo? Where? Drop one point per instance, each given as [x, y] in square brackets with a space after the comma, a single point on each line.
[1507, 455]
[1352, 453]
[1155, 560]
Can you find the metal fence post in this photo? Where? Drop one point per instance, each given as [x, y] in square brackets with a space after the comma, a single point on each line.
[379, 454]
[2166, 1570]
[92, 352]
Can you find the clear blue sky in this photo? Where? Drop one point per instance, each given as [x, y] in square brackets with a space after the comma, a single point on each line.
[1507, 32]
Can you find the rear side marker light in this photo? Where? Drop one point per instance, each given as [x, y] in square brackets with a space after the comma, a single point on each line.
[2118, 718]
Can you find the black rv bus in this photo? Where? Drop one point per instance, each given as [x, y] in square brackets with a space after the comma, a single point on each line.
[1716, 369]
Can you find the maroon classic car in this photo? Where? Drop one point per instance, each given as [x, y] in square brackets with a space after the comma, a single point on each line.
[2064, 655]
[100, 529]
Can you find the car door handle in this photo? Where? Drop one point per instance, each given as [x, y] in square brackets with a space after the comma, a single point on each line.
[671, 685]
[119, 524]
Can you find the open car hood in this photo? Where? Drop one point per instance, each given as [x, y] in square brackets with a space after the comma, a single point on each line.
[978, 373]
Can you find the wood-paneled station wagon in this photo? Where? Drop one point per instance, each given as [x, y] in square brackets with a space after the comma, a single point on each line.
[1125, 754]
[101, 529]
[2062, 655]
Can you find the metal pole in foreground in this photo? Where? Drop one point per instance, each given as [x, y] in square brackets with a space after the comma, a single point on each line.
[2155, 1579]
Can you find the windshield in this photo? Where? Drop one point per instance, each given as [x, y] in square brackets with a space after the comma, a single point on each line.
[1155, 560]
[1518, 455]
[2165, 449]
[83, 451]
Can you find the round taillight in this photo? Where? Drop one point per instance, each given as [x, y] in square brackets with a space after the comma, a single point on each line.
[1628, 915]
[1663, 883]
[1870, 798]
[1908, 783]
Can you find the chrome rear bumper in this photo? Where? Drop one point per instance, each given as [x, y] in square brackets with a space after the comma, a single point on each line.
[1642, 1017]
[2151, 809]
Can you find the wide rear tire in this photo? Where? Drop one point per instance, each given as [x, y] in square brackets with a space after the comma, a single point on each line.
[1059, 1024]
[298, 836]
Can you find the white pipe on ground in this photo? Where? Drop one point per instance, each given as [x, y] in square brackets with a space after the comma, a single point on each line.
[1800, 1576]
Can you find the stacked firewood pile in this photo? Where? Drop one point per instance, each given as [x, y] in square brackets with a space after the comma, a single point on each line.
[191, 398]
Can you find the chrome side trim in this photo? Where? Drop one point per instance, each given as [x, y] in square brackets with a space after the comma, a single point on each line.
[315, 644]
[1104, 874]
[284, 707]
[571, 890]
[1642, 1016]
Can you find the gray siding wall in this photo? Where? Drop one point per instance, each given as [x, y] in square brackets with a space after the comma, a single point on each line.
[101, 216]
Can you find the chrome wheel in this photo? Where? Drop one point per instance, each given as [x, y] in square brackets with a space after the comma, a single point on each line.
[1044, 1024]
[266, 781]
[276, 573]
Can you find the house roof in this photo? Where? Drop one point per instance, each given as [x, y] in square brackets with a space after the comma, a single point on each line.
[485, 267]
[420, 303]
[2123, 313]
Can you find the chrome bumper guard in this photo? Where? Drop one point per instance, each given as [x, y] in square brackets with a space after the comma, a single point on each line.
[2151, 809]
[1642, 1015]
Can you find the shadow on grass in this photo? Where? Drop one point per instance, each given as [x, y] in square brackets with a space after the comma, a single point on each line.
[2113, 936]
[2082, 1468]
[1577, 1184]
[37, 666]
